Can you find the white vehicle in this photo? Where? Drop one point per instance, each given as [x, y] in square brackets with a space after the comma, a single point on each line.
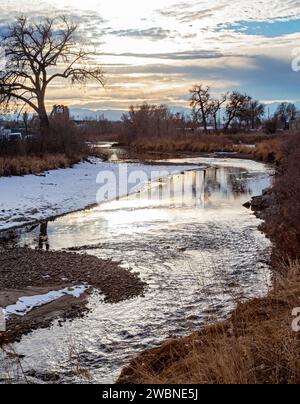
[7, 135]
[14, 137]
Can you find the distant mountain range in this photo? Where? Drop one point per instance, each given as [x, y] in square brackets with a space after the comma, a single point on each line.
[110, 114]
[78, 113]
[84, 113]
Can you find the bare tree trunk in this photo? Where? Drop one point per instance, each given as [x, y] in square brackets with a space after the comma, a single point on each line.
[43, 117]
[216, 122]
[230, 119]
[204, 119]
[44, 121]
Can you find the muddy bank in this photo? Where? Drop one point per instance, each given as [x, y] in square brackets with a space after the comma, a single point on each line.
[25, 272]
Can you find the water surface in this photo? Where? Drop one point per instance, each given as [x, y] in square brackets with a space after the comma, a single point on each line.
[198, 254]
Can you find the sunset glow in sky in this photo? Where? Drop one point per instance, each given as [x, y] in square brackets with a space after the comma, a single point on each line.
[154, 51]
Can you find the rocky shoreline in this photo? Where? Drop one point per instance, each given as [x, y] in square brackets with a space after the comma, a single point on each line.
[262, 204]
[25, 272]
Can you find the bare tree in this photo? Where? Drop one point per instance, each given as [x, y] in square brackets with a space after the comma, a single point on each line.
[251, 114]
[200, 102]
[285, 113]
[36, 55]
[148, 121]
[237, 102]
[257, 113]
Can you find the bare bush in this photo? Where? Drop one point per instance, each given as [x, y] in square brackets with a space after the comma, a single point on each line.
[150, 121]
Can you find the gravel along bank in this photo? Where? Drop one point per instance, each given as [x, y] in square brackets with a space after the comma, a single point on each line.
[37, 287]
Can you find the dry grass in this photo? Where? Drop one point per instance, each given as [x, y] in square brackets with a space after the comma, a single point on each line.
[203, 143]
[105, 137]
[270, 150]
[267, 148]
[23, 165]
[251, 138]
[256, 346]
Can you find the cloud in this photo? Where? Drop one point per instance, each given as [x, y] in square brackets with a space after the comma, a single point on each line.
[185, 55]
[261, 76]
[223, 11]
[89, 22]
[184, 12]
[156, 55]
[151, 33]
[154, 33]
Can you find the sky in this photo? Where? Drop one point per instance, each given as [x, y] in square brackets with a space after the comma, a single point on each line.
[155, 51]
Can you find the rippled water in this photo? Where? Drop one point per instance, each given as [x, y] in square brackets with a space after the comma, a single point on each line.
[198, 255]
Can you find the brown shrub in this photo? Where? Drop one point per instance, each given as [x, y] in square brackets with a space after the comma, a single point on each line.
[270, 151]
[23, 165]
[267, 148]
[251, 138]
[203, 143]
[283, 223]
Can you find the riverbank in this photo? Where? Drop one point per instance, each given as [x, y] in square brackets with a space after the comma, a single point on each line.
[56, 285]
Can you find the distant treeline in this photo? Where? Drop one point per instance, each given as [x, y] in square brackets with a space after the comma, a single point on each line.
[233, 113]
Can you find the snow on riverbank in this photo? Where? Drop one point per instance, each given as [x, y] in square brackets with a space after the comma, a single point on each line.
[27, 303]
[30, 198]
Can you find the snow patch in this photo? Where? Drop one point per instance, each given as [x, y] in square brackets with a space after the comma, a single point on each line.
[25, 304]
